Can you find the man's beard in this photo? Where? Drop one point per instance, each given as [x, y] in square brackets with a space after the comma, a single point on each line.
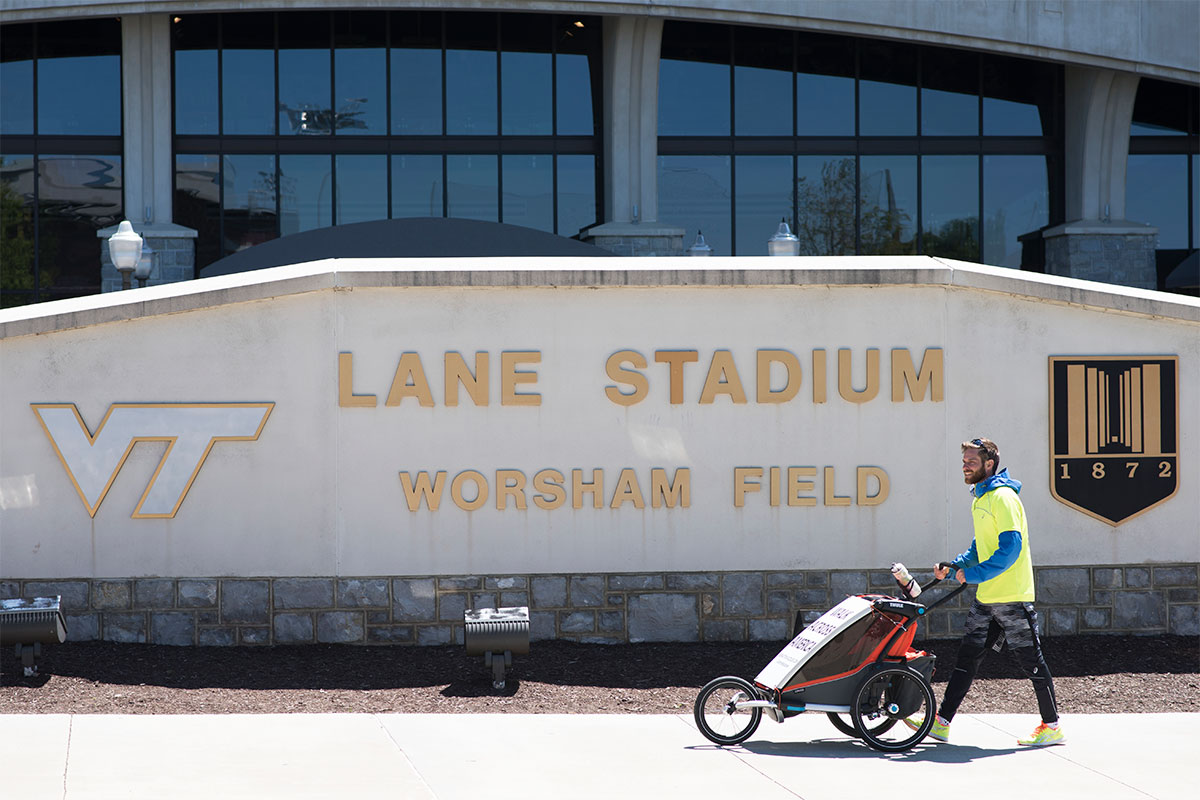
[975, 477]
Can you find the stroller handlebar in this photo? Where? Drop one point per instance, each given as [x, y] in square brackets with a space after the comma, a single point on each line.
[936, 580]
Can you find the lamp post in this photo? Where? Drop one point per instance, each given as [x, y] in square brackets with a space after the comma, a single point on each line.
[145, 265]
[699, 247]
[125, 250]
[784, 242]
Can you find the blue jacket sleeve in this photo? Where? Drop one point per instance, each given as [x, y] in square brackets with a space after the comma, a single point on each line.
[968, 559]
[1004, 557]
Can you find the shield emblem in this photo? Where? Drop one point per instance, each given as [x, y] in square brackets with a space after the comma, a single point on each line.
[1114, 433]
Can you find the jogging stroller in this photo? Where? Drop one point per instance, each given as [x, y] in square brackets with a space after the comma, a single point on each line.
[855, 663]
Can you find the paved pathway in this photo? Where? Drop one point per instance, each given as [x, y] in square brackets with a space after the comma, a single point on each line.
[577, 756]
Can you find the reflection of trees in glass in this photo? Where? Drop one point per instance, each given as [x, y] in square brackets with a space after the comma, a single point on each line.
[17, 256]
[16, 247]
[825, 215]
[197, 204]
[825, 218]
[77, 196]
[885, 229]
[955, 239]
[883, 232]
[260, 199]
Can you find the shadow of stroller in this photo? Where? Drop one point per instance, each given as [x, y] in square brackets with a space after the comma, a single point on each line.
[837, 747]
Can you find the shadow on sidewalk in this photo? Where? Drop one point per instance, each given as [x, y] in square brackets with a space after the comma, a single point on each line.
[839, 748]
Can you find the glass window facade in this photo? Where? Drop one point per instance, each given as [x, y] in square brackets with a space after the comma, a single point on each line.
[700, 190]
[416, 49]
[949, 93]
[762, 82]
[360, 73]
[694, 80]
[825, 78]
[763, 194]
[1016, 200]
[528, 198]
[575, 195]
[60, 170]
[949, 196]
[290, 121]
[305, 193]
[826, 205]
[16, 79]
[1156, 189]
[1162, 187]
[863, 146]
[417, 186]
[887, 205]
[1019, 99]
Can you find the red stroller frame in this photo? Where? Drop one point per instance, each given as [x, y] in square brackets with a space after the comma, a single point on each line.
[856, 660]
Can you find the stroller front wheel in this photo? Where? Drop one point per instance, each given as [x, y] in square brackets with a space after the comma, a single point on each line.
[717, 714]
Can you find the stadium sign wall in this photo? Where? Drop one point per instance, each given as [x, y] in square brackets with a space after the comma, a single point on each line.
[419, 419]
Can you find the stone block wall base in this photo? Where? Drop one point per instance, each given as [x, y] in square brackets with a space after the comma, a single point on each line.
[1120, 253]
[592, 608]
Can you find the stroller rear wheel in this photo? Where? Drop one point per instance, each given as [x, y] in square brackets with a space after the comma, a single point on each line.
[717, 714]
[893, 695]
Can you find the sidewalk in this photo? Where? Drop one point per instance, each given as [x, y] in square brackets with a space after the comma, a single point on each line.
[552, 757]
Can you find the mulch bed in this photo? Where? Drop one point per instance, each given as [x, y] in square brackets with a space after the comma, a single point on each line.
[1093, 674]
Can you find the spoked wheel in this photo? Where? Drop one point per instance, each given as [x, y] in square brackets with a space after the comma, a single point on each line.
[890, 696]
[717, 715]
[845, 724]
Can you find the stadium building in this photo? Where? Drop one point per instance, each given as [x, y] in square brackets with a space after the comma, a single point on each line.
[1059, 136]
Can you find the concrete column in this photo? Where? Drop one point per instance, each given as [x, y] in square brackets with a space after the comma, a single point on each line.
[146, 87]
[146, 95]
[630, 227]
[1098, 243]
[1099, 108]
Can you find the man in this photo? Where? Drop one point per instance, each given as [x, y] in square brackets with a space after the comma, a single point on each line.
[1002, 613]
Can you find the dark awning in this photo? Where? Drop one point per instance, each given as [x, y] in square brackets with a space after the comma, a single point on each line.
[413, 237]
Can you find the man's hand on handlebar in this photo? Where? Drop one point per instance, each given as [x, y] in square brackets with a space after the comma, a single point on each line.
[941, 570]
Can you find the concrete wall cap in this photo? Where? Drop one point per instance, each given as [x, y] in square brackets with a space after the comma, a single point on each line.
[515, 272]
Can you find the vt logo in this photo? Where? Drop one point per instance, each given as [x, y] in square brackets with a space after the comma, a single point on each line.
[1114, 433]
[92, 460]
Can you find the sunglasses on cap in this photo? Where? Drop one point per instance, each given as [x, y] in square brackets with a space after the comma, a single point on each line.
[989, 451]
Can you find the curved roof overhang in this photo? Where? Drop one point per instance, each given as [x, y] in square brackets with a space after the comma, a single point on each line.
[1145, 38]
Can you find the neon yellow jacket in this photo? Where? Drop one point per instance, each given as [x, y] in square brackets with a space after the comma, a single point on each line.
[999, 559]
